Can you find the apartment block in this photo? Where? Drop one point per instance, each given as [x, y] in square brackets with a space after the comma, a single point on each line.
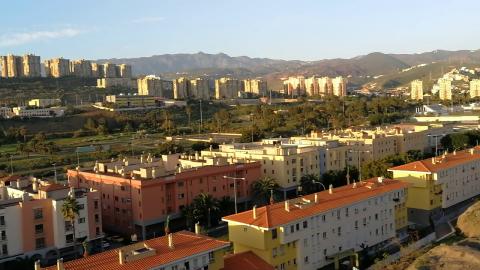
[416, 90]
[294, 86]
[97, 70]
[139, 194]
[57, 67]
[176, 251]
[14, 66]
[474, 88]
[445, 91]
[439, 183]
[227, 88]
[280, 160]
[44, 102]
[200, 88]
[32, 223]
[154, 86]
[26, 112]
[124, 71]
[320, 229]
[255, 86]
[109, 70]
[339, 86]
[325, 86]
[81, 68]
[116, 82]
[31, 66]
[180, 88]
[127, 101]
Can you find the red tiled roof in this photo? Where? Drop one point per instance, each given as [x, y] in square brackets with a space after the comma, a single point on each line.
[245, 261]
[441, 162]
[275, 215]
[185, 244]
[53, 187]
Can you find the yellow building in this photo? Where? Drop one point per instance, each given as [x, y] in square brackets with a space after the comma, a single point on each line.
[319, 229]
[474, 88]
[445, 91]
[124, 71]
[255, 86]
[282, 161]
[44, 102]
[227, 88]
[439, 183]
[200, 88]
[325, 86]
[31, 66]
[176, 251]
[57, 67]
[416, 90]
[122, 101]
[294, 86]
[109, 70]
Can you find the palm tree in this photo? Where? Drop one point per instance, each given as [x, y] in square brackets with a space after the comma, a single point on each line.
[204, 206]
[187, 213]
[309, 183]
[262, 189]
[70, 210]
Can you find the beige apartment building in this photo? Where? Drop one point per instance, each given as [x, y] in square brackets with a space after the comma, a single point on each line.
[154, 86]
[294, 86]
[255, 86]
[227, 88]
[116, 82]
[180, 88]
[325, 86]
[57, 67]
[416, 90]
[474, 88]
[200, 88]
[97, 70]
[44, 102]
[109, 70]
[339, 86]
[81, 68]
[311, 86]
[445, 91]
[124, 71]
[280, 160]
[20, 66]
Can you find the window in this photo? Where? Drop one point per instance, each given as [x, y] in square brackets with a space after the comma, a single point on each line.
[38, 228]
[81, 220]
[305, 224]
[306, 259]
[181, 195]
[39, 243]
[339, 231]
[122, 188]
[4, 235]
[97, 218]
[324, 235]
[323, 218]
[297, 226]
[292, 229]
[180, 184]
[274, 234]
[69, 238]
[38, 213]
[2, 220]
[95, 204]
[4, 249]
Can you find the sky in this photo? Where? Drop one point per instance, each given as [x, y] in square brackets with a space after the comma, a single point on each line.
[280, 29]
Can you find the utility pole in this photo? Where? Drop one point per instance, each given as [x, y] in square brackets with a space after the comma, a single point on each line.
[201, 118]
[55, 172]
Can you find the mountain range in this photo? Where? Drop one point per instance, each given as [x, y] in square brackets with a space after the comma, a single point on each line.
[216, 65]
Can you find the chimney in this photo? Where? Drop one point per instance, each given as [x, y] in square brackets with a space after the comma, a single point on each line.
[354, 185]
[380, 179]
[287, 206]
[330, 189]
[170, 241]
[37, 265]
[433, 160]
[472, 151]
[254, 212]
[198, 228]
[316, 197]
[35, 185]
[455, 152]
[121, 256]
[60, 264]
[196, 155]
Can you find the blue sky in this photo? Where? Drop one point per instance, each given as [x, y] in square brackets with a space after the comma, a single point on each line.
[296, 29]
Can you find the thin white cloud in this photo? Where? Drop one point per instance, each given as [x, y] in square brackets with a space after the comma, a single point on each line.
[148, 19]
[15, 39]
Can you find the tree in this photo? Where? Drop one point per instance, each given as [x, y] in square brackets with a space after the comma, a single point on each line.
[90, 125]
[221, 119]
[226, 205]
[455, 141]
[70, 210]
[375, 168]
[204, 207]
[262, 189]
[187, 213]
[309, 183]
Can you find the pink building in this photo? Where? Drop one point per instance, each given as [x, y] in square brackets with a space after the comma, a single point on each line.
[140, 193]
[32, 223]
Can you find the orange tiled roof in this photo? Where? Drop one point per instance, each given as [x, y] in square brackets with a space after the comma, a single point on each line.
[275, 215]
[53, 187]
[441, 162]
[185, 244]
[245, 261]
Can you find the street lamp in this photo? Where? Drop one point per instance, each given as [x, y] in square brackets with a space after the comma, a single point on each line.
[320, 183]
[234, 188]
[359, 161]
[436, 140]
